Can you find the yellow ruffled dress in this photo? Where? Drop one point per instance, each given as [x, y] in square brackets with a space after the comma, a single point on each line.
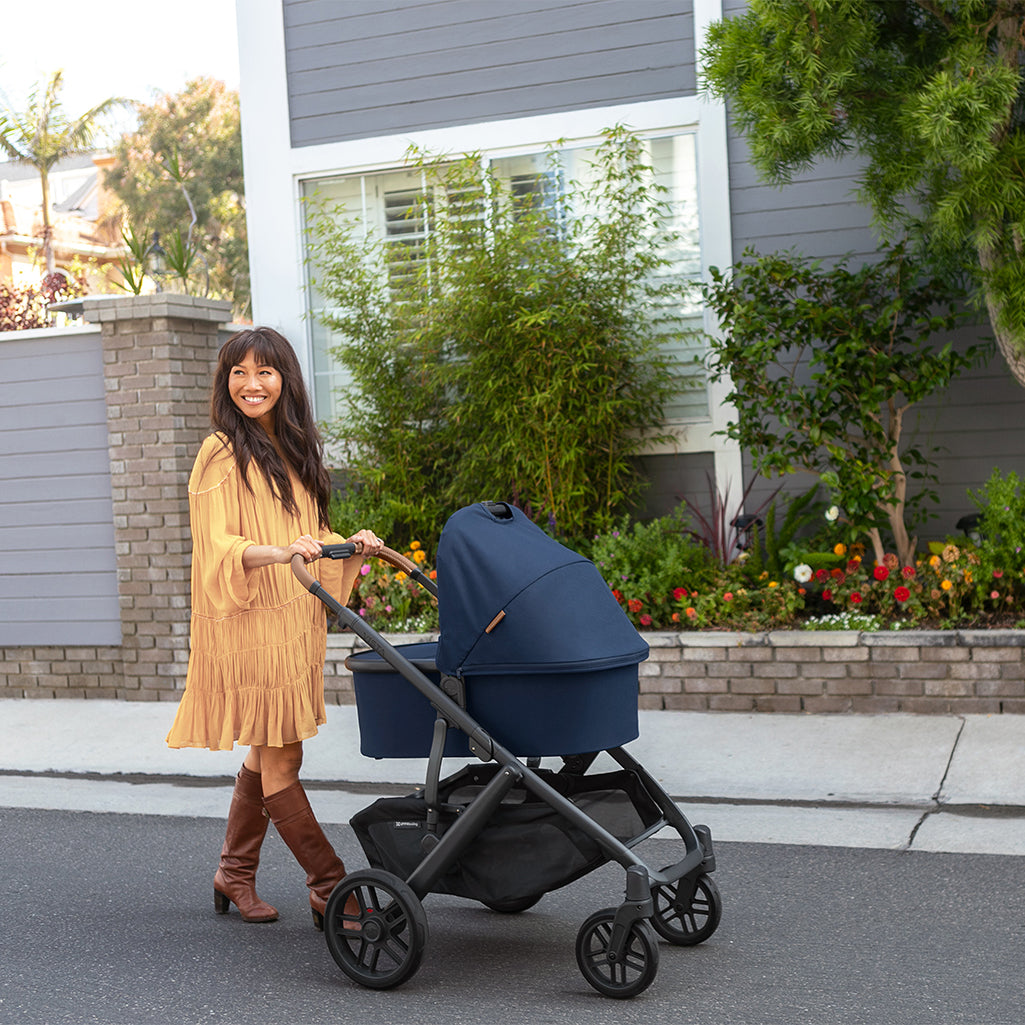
[256, 665]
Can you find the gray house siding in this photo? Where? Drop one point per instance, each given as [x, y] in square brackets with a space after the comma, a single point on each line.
[364, 68]
[973, 427]
[58, 577]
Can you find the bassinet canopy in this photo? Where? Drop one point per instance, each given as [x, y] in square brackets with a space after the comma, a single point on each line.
[512, 600]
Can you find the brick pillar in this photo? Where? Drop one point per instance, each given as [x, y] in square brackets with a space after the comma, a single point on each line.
[159, 353]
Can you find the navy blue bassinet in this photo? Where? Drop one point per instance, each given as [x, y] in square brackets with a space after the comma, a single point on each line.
[547, 656]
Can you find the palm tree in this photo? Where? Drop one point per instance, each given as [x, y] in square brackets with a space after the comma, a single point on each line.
[43, 135]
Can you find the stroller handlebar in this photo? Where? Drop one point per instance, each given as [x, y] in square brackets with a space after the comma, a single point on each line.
[350, 548]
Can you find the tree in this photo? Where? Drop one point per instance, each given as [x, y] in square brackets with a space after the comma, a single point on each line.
[865, 337]
[179, 178]
[511, 350]
[43, 135]
[928, 92]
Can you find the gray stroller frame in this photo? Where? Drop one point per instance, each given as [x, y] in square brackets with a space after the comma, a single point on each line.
[375, 925]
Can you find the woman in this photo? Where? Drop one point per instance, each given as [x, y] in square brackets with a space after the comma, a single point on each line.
[258, 496]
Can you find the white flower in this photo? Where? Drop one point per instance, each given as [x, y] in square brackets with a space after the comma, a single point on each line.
[803, 573]
[833, 514]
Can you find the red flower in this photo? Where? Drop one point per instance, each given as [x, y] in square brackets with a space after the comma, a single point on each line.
[853, 565]
[679, 592]
[902, 594]
[822, 574]
[634, 605]
[827, 594]
[880, 572]
[618, 595]
[728, 596]
[997, 574]
[645, 620]
[908, 572]
[838, 575]
[856, 597]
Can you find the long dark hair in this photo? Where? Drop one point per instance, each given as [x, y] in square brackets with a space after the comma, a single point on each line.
[294, 426]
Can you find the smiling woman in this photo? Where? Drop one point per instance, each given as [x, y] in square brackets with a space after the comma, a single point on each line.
[258, 496]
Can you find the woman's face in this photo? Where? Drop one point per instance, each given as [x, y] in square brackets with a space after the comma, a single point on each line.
[255, 388]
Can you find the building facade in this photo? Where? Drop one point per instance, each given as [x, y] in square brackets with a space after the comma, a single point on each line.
[335, 94]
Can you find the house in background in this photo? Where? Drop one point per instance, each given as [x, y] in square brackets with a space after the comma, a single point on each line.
[86, 226]
[334, 94]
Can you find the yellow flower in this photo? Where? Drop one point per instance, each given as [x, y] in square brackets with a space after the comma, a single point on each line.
[415, 545]
[840, 549]
[419, 556]
[773, 583]
[934, 561]
[946, 585]
[400, 575]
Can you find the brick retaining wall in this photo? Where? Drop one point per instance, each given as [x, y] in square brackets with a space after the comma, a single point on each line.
[940, 672]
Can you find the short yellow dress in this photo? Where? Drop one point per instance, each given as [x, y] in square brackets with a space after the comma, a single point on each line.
[258, 637]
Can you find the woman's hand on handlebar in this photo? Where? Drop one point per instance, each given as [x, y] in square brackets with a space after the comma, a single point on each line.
[370, 544]
[307, 546]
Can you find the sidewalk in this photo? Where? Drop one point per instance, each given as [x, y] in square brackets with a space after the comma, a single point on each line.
[926, 783]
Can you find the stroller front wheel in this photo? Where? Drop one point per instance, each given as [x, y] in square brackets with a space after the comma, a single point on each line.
[686, 925]
[621, 977]
[381, 944]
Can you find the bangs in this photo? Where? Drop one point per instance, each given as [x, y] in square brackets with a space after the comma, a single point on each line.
[268, 349]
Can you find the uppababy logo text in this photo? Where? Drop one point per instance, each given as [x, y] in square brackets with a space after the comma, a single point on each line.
[408, 825]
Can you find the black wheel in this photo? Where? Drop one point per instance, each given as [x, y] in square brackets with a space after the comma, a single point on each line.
[512, 907]
[627, 976]
[379, 940]
[690, 925]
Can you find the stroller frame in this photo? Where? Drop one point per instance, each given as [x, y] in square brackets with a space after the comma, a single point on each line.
[617, 951]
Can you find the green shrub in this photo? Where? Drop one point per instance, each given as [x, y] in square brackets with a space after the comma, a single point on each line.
[648, 564]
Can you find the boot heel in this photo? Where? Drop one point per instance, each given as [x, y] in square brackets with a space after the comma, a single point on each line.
[318, 920]
[221, 903]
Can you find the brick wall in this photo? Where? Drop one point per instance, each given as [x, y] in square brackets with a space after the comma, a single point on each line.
[159, 352]
[940, 672]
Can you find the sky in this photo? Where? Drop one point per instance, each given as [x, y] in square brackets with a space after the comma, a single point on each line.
[133, 50]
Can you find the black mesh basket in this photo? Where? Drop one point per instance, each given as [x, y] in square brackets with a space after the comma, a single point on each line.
[527, 847]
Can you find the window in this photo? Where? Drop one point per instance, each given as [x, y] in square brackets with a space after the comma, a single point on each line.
[387, 203]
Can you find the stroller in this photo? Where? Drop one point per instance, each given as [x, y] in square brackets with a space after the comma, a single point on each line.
[535, 658]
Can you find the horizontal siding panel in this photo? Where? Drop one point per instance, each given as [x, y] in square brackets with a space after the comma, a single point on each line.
[410, 115]
[22, 601]
[17, 635]
[34, 537]
[54, 465]
[49, 514]
[74, 413]
[60, 557]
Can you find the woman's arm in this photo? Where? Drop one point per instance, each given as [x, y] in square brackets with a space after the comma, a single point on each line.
[270, 555]
[306, 546]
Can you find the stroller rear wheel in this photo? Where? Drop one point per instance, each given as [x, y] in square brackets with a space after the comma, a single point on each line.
[690, 924]
[618, 977]
[381, 945]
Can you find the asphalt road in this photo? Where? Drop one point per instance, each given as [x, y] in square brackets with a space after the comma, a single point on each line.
[107, 920]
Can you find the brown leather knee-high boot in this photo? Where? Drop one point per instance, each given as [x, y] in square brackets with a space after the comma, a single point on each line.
[235, 881]
[290, 811]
